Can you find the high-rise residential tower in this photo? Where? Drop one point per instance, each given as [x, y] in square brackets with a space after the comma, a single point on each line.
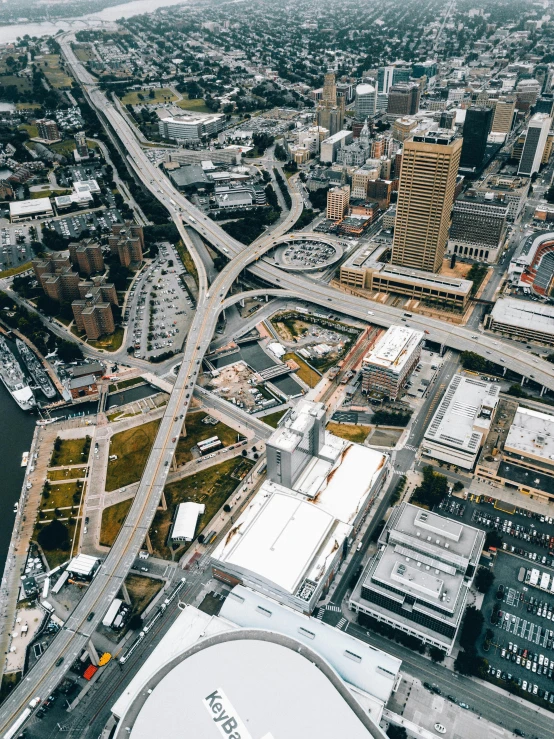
[504, 114]
[535, 141]
[477, 127]
[430, 164]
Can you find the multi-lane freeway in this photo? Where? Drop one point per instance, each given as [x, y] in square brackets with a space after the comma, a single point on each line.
[82, 622]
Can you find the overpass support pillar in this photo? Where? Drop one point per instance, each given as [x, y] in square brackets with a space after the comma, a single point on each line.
[163, 502]
[241, 303]
[125, 594]
[442, 350]
[92, 653]
[504, 371]
[148, 543]
[266, 298]
[543, 390]
[173, 464]
[523, 380]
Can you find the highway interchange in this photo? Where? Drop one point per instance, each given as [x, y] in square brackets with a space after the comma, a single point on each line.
[83, 621]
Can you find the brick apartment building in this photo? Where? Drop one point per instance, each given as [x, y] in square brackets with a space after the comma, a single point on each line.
[127, 241]
[86, 257]
[93, 311]
[56, 278]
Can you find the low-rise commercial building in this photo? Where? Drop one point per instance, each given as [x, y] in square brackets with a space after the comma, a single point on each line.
[365, 272]
[522, 319]
[461, 423]
[419, 579]
[388, 365]
[292, 538]
[186, 520]
[229, 155]
[191, 127]
[22, 210]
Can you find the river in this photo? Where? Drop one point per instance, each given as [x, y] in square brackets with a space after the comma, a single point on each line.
[9, 34]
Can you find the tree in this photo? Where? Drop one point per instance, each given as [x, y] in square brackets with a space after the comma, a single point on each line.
[471, 628]
[54, 536]
[484, 579]
[436, 654]
[493, 539]
[397, 732]
[432, 489]
[227, 508]
[458, 486]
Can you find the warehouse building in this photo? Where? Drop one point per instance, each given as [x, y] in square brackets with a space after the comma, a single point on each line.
[292, 538]
[460, 424]
[22, 210]
[419, 579]
[388, 365]
[522, 319]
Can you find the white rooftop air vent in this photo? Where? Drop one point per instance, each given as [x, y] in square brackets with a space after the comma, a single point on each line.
[436, 572]
[437, 541]
[447, 545]
[418, 533]
[407, 559]
[419, 564]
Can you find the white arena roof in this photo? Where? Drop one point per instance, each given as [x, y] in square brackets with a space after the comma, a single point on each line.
[252, 674]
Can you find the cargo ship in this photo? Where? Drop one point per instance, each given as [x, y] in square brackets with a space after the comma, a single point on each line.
[13, 378]
[36, 370]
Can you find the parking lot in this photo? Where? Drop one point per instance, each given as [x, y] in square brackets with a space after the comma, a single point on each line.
[16, 245]
[97, 222]
[159, 310]
[520, 616]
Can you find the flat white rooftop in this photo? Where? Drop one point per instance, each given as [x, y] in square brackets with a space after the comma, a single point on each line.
[464, 414]
[394, 349]
[186, 519]
[532, 434]
[524, 314]
[82, 564]
[23, 208]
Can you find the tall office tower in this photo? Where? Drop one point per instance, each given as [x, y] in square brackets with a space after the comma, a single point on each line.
[48, 130]
[477, 127]
[504, 114]
[447, 119]
[366, 102]
[535, 141]
[338, 199]
[388, 76]
[545, 104]
[425, 196]
[425, 69]
[330, 110]
[403, 99]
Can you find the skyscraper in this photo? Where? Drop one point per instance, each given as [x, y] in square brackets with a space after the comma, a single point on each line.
[430, 164]
[403, 99]
[388, 76]
[535, 141]
[330, 111]
[504, 114]
[366, 101]
[477, 127]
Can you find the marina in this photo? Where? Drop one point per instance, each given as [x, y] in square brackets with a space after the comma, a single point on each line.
[36, 370]
[13, 378]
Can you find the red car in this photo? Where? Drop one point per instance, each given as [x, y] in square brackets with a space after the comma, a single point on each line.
[174, 439]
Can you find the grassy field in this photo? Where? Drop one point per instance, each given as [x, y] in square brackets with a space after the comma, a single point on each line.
[351, 433]
[61, 496]
[132, 448]
[211, 487]
[70, 452]
[71, 473]
[47, 193]
[65, 148]
[31, 129]
[109, 343]
[27, 106]
[161, 95]
[116, 386]
[197, 105]
[112, 521]
[50, 65]
[9, 681]
[187, 260]
[305, 373]
[272, 419]
[141, 591]
[83, 53]
[197, 431]
[118, 415]
[22, 83]
[15, 270]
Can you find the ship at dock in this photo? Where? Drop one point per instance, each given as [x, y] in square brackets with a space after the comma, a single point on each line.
[13, 378]
[36, 370]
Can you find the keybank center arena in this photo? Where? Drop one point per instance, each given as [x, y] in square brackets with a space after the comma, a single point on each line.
[259, 670]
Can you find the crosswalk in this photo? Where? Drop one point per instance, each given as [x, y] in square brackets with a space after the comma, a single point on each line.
[342, 623]
[333, 607]
[410, 448]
